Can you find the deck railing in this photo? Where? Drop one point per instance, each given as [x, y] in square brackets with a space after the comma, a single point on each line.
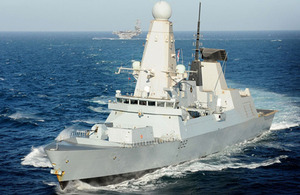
[80, 133]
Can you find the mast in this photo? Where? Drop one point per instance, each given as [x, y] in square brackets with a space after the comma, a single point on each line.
[198, 35]
[196, 64]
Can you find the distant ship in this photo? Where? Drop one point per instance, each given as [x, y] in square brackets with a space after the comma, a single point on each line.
[175, 115]
[129, 33]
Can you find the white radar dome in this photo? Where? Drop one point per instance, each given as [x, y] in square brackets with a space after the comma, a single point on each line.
[180, 69]
[136, 65]
[161, 10]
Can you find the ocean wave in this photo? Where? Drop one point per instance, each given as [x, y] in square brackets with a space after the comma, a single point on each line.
[42, 95]
[21, 116]
[283, 125]
[103, 100]
[37, 158]
[233, 164]
[276, 40]
[50, 183]
[98, 109]
[88, 121]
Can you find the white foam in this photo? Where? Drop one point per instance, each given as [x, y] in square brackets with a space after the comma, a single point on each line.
[276, 40]
[88, 121]
[231, 163]
[51, 183]
[42, 95]
[37, 158]
[283, 125]
[98, 109]
[21, 115]
[103, 100]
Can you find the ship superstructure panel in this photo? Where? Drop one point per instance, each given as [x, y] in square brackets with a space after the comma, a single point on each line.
[158, 63]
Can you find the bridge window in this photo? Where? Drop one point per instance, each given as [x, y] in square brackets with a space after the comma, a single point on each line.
[151, 103]
[143, 102]
[170, 104]
[148, 103]
[133, 101]
[161, 104]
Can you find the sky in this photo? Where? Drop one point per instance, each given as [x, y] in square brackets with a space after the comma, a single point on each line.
[111, 15]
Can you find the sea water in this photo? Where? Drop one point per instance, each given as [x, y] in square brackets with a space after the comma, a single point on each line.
[54, 83]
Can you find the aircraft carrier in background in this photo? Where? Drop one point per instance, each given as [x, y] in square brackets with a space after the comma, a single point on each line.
[129, 33]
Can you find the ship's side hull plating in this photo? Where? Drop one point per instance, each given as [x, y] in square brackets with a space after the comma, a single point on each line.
[82, 162]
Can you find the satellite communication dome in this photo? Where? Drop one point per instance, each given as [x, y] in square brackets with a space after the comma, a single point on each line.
[161, 10]
[136, 65]
[180, 69]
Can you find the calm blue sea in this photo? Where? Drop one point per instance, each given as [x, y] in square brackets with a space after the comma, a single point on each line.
[54, 82]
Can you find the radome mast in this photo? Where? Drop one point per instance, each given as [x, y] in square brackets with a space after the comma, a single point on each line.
[196, 64]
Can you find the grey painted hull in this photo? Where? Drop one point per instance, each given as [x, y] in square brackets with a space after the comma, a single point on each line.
[83, 162]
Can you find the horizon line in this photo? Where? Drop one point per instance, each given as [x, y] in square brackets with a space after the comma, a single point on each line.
[66, 31]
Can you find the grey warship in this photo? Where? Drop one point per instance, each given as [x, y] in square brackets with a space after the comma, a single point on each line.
[174, 115]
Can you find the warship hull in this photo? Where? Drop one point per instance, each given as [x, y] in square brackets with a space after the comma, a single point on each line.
[73, 161]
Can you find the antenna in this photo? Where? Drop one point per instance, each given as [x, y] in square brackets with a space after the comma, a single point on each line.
[197, 51]
[196, 74]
